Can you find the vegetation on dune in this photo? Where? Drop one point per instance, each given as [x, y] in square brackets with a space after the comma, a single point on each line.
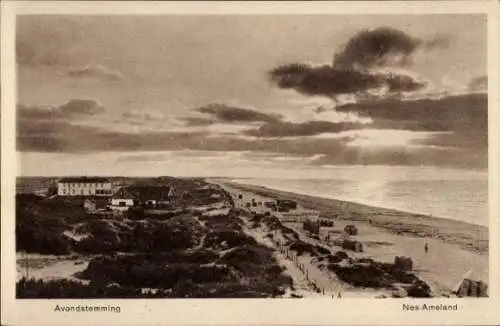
[222, 222]
[201, 273]
[40, 224]
[365, 272]
[178, 255]
[138, 237]
[228, 239]
[139, 272]
[59, 289]
[302, 247]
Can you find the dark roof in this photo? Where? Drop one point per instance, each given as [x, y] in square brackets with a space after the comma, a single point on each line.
[99, 202]
[84, 180]
[143, 192]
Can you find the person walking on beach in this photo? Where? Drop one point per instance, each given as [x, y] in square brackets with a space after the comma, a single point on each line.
[426, 247]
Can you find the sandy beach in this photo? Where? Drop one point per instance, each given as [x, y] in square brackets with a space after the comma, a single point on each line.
[454, 247]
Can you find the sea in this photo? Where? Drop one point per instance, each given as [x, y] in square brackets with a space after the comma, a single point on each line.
[457, 195]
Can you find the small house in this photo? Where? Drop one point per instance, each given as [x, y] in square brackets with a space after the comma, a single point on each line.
[122, 200]
[148, 196]
[93, 205]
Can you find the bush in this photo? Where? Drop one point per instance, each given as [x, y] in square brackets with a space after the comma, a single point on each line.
[287, 230]
[300, 247]
[272, 222]
[229, 237]
[33, 238]
[140, 272]
[337, 257]
[40, 223]
[322, 250]
[155, 236]
[59, 289]
[419, 289]
[364, 275]
[255, 254]
[368, 273]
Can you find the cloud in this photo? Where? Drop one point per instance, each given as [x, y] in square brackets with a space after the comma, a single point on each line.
[98, 72]
[65, 137]
[154, 157]
[81, 107]
[197, 122]
[406, 156]
[225, 113]
[29, 55]
[438, 41]
[462, 113]
[72, 109]
[478, 84]
[329, 81]
[50, 129]
[143, 115]
[40, 41]
[369, 65]
[310, 128]
[383, 47]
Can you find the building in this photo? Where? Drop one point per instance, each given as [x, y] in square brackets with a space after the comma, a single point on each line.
[286, 205]
[94, 205]
[148, 196]
[121, 204]
[84, 186]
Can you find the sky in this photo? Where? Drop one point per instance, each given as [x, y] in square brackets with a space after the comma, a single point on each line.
[250, 95]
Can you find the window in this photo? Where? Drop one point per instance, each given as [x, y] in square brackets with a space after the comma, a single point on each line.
[122, 203]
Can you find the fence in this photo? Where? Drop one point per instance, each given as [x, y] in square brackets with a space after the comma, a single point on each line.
[304, 269]
[307, 271]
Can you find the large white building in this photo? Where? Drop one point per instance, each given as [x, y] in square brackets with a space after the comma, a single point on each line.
[84, 186]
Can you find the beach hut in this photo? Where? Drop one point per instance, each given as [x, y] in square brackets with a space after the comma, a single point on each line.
[311, 226]
[286, 205]
[403, 263]
[468, 286]
[353, 245]
[351, 229]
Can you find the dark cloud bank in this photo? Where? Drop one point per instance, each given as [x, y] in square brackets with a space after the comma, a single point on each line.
[367, 61]
[225, 113]
[463, 146]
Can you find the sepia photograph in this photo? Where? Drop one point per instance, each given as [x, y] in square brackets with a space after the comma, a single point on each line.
[224, 163]
[271, 156]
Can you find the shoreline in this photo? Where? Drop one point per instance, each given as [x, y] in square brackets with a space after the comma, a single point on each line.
[455, 247]
[469, 236]
[358, 201]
